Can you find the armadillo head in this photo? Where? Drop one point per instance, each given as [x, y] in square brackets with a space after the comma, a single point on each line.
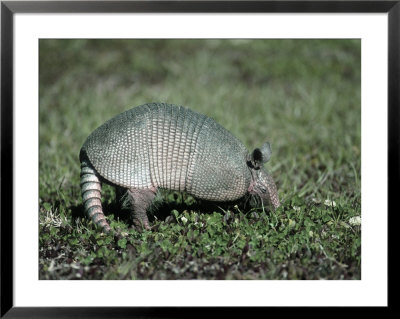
[262, 185]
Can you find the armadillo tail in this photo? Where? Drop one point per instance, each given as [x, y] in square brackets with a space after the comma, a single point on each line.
[91, 195]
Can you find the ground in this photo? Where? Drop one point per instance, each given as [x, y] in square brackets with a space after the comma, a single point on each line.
[303, 96]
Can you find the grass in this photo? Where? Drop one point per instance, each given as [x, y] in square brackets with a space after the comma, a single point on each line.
[301, 95]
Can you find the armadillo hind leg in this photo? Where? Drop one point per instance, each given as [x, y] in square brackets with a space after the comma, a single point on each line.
[91, 195]
[138, 201]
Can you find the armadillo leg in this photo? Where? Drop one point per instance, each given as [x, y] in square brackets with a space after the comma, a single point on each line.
[141, 199]
[91, 195]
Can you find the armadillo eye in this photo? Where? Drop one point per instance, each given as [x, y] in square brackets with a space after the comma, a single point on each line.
[263, 189]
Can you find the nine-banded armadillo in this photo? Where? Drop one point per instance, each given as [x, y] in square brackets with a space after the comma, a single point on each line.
[167, 146]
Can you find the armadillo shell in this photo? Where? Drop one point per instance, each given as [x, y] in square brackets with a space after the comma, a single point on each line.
[172, 147]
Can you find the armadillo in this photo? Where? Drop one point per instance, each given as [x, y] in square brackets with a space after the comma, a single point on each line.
[164, 146]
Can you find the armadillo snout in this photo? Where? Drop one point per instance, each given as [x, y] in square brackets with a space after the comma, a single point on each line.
[264, 186]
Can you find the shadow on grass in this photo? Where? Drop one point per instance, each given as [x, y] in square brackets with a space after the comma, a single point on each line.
[161, 209]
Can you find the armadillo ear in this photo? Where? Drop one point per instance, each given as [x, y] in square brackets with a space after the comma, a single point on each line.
[266, 152]
[261, 155]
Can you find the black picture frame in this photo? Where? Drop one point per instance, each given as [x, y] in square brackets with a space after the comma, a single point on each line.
[9, 8]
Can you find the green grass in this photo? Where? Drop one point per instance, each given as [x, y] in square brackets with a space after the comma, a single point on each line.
[301, 95]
